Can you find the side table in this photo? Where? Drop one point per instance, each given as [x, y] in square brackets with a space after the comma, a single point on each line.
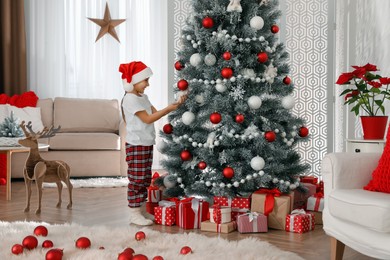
[365, 146]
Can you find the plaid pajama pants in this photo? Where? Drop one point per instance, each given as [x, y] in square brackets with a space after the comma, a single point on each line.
[139, 160]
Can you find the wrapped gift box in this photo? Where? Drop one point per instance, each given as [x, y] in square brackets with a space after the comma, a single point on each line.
[239, 205]
[309, 179]
[154, 194]
[218, 228]
[300, 221]
[300, 198]
[252, 222]
[190, 212]
[315, 202]
[225, 215]
[282, 206]
[165, 215]
[150, 207]
[317, 217]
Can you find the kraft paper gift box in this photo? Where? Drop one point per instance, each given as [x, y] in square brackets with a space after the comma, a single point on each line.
[190, 212]
[154, 194]
[273, 204]
[252, 222]
[300, 221]
[300, 198]
[239, 205]
[316, 202]
[218, 228]
[225, 214]
[317, 217]
[165, 213]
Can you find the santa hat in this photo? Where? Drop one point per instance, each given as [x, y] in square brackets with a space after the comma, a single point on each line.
[134, 72]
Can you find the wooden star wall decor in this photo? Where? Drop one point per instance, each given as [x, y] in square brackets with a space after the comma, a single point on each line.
[107, 25]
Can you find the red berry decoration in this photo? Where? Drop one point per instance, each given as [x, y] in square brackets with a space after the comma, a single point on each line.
[303, 131]
[158, 257]
[270, 136]
[228, 172]
[182, 84]
[262, 57]
[40, 231]
[178, 65]
[185, 155]
[215, 118]
[185, 250]
[227, 73]
[226, 55]
[208, 22]
[168, 129]
[140, 236]
[274, 28]
[17, 249]
[83, 242]
[30, 242]
[54, 254]
[47, 244]
[202, 165]
[287, 80]
[240, 118]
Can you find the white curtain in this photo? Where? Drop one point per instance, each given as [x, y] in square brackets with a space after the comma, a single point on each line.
[64, 60]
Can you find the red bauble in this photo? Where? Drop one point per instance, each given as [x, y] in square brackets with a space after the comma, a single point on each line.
[185, 155]
[168, 129]
[17, 249]
[83, 242]
[240, 118]
[227, 55]
[287, 80]
[129, 250]
[125, 255]
[227, 73]
[262, 57]
[202, 165]
[30, 242]
[47, 244]
[303, 131]
[215, 118]
[158, 257]
[140, 236]
[178, 65]
[228, 172]
[139, 257]
[274, 28]
[54, 254]
[208, 22]
[40, 231]
[270, 136]
[182, 84]
[185, 250]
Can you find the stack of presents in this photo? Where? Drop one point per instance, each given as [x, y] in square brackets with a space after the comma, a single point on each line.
[294, 212]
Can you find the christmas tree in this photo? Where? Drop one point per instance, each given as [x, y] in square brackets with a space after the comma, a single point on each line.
[10, 127]
[236, 132]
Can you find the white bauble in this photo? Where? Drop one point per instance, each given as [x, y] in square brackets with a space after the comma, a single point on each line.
[220, 87]
[188, 117]
[199, 99]
[254, 102]
[161, 146]
[170, 181]
[248, 73]
[195, 59]
[210, 59]
[257, 163]
[288, 102]
[257, 22]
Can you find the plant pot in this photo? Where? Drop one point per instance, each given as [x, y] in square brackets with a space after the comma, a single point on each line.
[374, 127]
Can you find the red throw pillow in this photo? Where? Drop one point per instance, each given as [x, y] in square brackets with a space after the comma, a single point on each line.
[381, 175]
[27, 99]
[3, 99]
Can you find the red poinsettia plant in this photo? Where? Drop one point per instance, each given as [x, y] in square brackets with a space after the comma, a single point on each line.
[369, 92]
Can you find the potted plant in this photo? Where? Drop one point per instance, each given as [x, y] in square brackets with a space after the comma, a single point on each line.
[367, 92]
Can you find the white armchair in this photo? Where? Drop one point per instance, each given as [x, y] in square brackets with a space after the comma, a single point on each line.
[352, 216]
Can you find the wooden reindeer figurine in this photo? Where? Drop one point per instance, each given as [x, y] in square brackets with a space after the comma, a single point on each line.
[41, 170]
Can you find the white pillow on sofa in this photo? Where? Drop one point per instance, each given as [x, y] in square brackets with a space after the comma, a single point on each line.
[27, 114]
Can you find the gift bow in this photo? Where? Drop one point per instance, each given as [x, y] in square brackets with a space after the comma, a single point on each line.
[252, 215]
[298, 212]
[217, 215]
[269, 198]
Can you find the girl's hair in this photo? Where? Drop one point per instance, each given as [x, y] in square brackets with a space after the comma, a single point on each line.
[123, 114]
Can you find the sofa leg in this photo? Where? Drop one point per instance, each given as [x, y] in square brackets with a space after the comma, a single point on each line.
[337, 249]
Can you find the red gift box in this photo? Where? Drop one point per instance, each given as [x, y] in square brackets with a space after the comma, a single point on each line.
[300, 221]
[252, 222]
[150, 207]
[309, 179]
[165, 213]
[239, 205]
[190, 212]
[300, 198]
[154, 194]
[316, 202]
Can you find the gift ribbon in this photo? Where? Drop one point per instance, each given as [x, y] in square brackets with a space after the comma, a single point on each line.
[217, 215]
[253, 216]
[155, 194]
[297, 212]
[164, 210]
[195, 204]
[269, 199]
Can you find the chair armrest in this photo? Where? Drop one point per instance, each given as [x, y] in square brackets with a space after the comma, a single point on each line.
[122, 134]
[348, 170]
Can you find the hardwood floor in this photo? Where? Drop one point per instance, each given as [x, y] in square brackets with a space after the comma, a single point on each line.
[108, 206]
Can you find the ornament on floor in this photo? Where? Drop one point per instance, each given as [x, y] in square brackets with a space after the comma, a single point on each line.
[226, 55]
[168, 129]
[107, 25]
[47, 244]
[234, 6]
[257, 163]
[256, 22]
[270, 73]
[140, 235]
[215, 118]
[17, 249]
[182, 84]
[303, 131]
[228, 172]
[158, 257]
[54, 254]
[178, 65]
[83, 243]
[30, 242]
[139, 257]
[270, 136]
[254, 102]
[185, 155]
[240, 118]
[208, 22]
[126, 254]
[288, 102]
[287, 80]
[188, 118]
[185, 250]
[41, 231]
[262, 57]
[274, 28]
[195, 59]
[210, 59]
[227, 73]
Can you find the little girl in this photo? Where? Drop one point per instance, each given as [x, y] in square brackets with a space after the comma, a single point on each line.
[139, 115]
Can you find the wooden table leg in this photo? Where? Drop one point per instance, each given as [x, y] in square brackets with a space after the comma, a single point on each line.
[8, 184]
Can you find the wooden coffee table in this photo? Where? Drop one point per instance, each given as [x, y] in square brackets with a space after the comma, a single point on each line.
[9, 150]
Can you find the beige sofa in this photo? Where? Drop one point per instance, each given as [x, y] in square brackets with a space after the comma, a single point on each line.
[91, 139]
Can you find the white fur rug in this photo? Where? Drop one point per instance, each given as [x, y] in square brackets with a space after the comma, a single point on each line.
[97, 182]
[114, 240]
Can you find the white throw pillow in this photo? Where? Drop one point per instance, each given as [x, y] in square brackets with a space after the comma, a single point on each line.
[4, 113]
[27, 114]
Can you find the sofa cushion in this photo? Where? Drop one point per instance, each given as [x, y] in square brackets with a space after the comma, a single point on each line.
[46, 106]
[364, 208]
[86, 115]
[85, 141]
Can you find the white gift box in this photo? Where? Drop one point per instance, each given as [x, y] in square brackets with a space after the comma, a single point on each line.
[226, 215]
